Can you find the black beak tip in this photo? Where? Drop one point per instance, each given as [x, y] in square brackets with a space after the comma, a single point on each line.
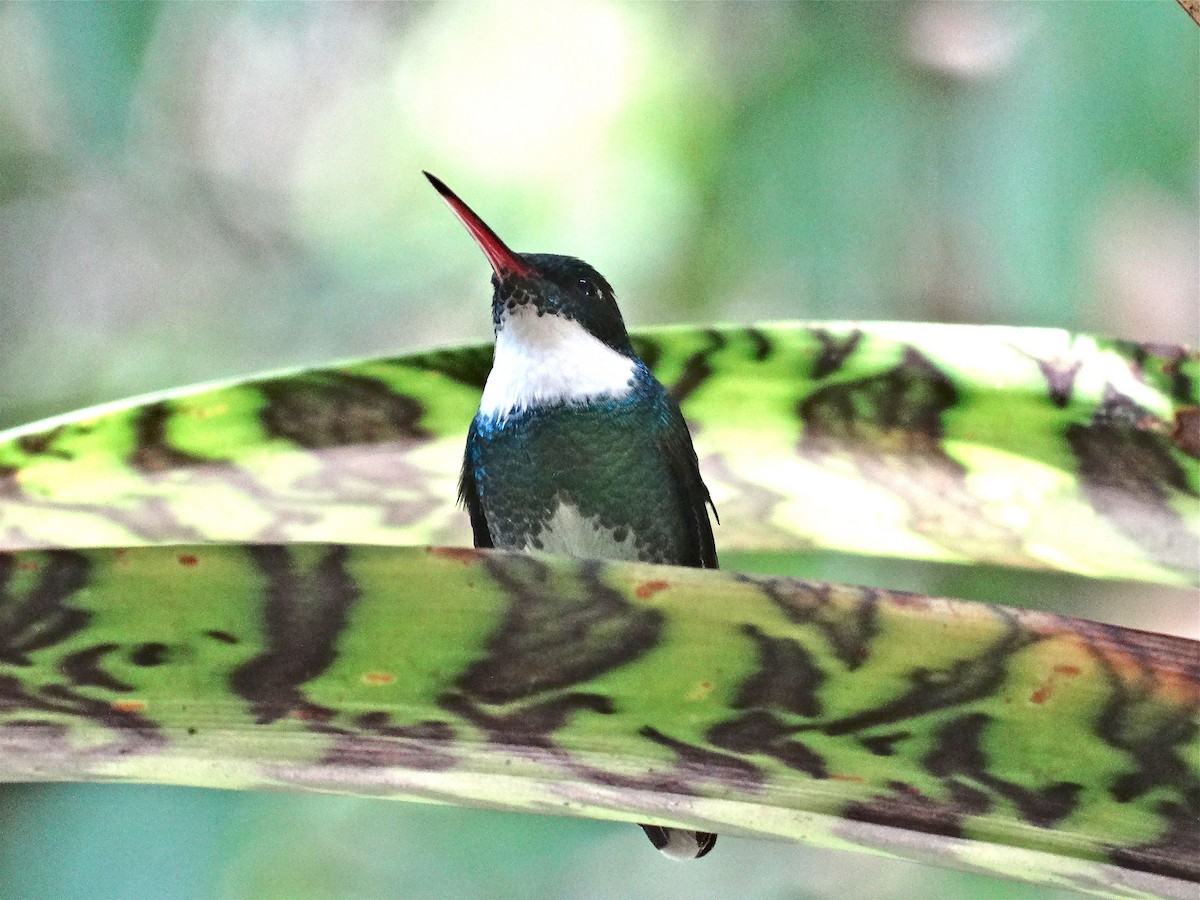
[438, 184]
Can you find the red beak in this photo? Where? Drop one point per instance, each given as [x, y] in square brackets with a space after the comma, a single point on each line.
[504, 261]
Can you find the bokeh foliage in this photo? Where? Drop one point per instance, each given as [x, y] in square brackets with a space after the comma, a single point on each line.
[191, 191]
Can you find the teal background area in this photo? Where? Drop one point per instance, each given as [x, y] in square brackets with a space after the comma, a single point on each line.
[169, 843]
[199, 191]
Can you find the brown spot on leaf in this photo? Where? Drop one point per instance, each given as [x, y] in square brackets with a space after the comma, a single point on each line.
[375, 679]
[1043, 692]
[464, 555]
[187, 559]
[700, 692]
[1065, 669]
[648, 589]
[128, 706]
[908, 601]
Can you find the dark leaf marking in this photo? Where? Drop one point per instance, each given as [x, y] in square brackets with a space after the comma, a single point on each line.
[908, 807]
[1060, 377]
[333, 409]
[303, 616]
[884, 744]
[693, 766]
[697, 368]
[466, 365]
[42, 443]
[84, 670]
[1183, 386]
[835, 350]
[1155, 736]
[428, 730]
[904, 404]
[360, 432]
[761, 343]
[530, 725]
[761, 732]
[1186, 433]
[889, 426]
[556, 632]
[647, 349]
[700, 761]
[149, 655]
[846, 616]
[963, 681]
[787, 678]
[1176, 854]
[1129, 475]
[420, 746]
[957, 752]
[41, 618]
[8, 482]
[62, 700]
[152, 451]
[1163, 365]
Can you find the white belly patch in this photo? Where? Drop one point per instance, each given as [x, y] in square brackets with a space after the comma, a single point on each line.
[569, 533]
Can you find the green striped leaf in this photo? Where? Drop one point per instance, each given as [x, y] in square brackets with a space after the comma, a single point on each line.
[1021, 743]
[1019, 446]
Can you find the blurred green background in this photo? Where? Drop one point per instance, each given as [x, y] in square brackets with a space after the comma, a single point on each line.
[197, 191]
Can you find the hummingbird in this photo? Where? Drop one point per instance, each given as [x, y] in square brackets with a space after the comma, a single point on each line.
[577, 449]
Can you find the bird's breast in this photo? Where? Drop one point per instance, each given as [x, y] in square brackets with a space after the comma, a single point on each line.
[586, 481]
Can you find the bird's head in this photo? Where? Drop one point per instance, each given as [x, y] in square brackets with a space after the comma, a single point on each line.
[542, 284]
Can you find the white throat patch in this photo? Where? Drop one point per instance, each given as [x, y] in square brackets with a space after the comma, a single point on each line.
[544, 360]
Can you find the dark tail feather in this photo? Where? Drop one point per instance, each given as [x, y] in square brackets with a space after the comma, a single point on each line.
[680, 843]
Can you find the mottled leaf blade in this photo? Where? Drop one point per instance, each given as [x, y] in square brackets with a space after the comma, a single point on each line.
[1033, 745]
[1017, 446]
